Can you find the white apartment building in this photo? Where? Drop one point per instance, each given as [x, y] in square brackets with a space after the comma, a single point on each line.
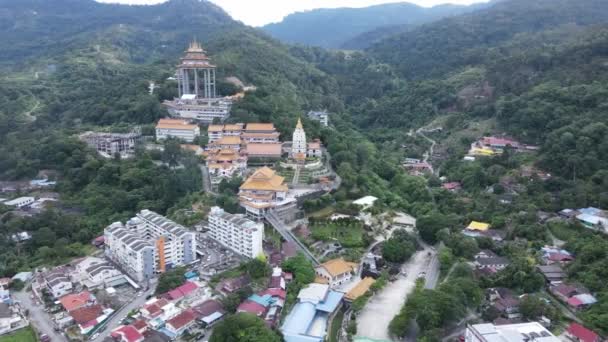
[149, 243]
[521, 332]
[58, 283]
[175, 128]
[20, 202]
[94, 273]
[236, 232]
[321, 116]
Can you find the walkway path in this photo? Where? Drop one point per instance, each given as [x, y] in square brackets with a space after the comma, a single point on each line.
[296, 175]
[206, 179]
[280, 227]
[28, 115]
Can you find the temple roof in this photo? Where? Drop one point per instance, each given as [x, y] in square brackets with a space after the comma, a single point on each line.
[299, 124]
[195, 57]
[264, 179]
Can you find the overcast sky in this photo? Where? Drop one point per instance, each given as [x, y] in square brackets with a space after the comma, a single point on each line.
[261, 12]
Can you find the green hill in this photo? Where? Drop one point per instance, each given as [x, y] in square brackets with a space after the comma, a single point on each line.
[341, 27]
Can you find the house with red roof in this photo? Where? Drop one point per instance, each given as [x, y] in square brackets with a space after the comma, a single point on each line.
[579, 333]
[86, 314]
[154, 309]
[252, 307]
[564, 291]
[140, 325]
[452, 186]
[127, 333]
[581, 301]
[72, 302]
[178, 324]
[181, 291]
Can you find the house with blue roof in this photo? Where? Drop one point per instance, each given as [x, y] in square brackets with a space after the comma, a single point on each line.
[308, 320]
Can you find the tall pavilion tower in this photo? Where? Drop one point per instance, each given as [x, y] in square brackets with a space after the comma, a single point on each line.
[298, 148]
[196, 74]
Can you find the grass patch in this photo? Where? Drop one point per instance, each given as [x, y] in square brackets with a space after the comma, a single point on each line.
[323, 213]
[22, 335]
[348, 232]
[336, 323]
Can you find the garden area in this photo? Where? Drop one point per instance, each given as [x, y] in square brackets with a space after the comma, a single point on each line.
[22, 335]
[349, 232]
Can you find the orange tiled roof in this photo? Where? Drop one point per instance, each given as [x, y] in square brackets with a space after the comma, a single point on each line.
[260, 127]
[274, 149]
[175, 124]
[360, 289]
[74, 301]
[215, 128]
[338, 266]
[228, 140]
[264, 179]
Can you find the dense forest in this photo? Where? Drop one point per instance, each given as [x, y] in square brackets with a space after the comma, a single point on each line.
[533, 70]
[351, 28]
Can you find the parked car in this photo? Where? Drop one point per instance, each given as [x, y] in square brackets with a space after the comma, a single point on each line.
[44, 338]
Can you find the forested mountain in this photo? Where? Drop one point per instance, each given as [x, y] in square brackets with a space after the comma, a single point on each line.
[436, 48]
[341, 27]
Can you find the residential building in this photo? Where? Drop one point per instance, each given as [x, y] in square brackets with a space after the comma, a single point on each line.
[581, 301]
[579, 333]
[209, 311]
[263, 191]
[487, 260]
[452, 186]
[593, 218]
[521, 332]
[226, 163]
[197, 89]
[109, 145]
[76, 301]
[9, 319]
[335, 272]
[366, 202]
[58, 283]
[403, 220]
[127, 333]
[177, 128]
[154, 308]
[320, 116]
[236, 232]
[20, 202]
[553, 273]
[94, 273]
[178, 324]
[555, 255]
[231, 285]
[298, 147]
[308, 320]
[149, 243]
[313, 149]
[564, 291]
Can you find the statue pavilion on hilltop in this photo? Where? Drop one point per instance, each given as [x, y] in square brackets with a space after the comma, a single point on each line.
[196, 85]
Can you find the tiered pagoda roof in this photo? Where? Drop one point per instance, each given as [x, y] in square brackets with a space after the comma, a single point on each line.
[195, 57]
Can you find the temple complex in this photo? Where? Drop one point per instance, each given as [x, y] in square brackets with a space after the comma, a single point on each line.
[197, 89]
[264, 190]
[225, 163]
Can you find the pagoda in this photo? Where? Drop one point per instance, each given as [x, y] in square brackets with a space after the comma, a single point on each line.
[196, 85]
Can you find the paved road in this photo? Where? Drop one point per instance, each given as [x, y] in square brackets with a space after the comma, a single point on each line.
[120, 314]
[375, 317]
[38, 318]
